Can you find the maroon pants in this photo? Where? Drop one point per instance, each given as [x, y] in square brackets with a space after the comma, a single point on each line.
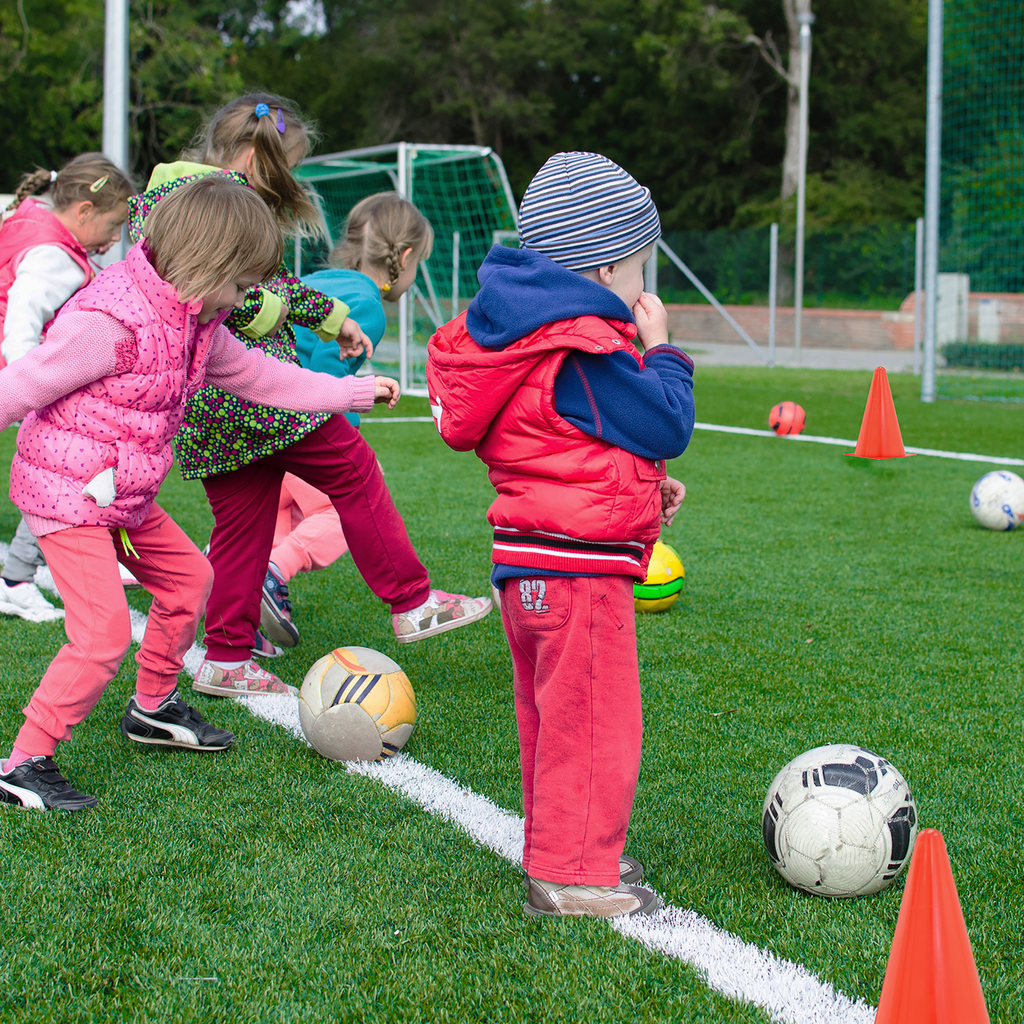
[335, 459]
[577, 691]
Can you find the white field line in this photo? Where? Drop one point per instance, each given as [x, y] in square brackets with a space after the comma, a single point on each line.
[996, 460]
[738, 970]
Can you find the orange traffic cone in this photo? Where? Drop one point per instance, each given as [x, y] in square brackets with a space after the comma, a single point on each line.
[880, 436]
[931, 977]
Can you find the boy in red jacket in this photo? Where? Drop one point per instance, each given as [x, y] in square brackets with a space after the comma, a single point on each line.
[541, 378]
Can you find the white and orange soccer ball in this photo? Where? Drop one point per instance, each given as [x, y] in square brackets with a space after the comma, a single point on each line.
[356, 704]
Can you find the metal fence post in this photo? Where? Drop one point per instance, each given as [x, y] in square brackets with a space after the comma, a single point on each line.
[773, 288]
[932, 181]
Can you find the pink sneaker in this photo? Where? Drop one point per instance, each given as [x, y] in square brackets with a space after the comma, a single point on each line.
[246, 680]
[440, 612]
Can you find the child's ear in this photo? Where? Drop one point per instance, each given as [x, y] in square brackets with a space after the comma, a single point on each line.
[84, 210]
[606, 274]
[404, 258]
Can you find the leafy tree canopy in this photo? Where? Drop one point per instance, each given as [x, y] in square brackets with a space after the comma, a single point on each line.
[671, 89]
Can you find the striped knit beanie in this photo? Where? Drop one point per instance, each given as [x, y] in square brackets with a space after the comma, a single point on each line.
[584, 211]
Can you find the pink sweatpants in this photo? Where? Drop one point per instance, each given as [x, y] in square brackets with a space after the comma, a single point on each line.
[308, 534]
[83, 560]
[577, 692]
[335, 459]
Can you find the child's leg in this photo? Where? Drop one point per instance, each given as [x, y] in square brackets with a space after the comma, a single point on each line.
[336, 459]
[573, 644]
[84, 568]
[24, 556]
[316, 540]
[18, 593]
[244, 504]
[175, 572]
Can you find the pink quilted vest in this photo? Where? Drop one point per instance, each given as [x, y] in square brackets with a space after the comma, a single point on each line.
[125, 421]
[30, 225]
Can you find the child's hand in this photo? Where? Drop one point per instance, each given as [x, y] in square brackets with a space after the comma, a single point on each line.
[387, 390]
[651, 321]
[281, 319]
[352, 341]
[672, 494]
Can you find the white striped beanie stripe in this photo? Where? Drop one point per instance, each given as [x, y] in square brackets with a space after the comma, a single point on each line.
[584, 211]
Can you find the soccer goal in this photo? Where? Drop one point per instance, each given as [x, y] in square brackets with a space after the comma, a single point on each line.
[975, 263]
[462, 190]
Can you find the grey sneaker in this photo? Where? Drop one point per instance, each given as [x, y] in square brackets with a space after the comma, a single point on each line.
[246, 680]
[440, 612]
[631, 872]
[553, 899]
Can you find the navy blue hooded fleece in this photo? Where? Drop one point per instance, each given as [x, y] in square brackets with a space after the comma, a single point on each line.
[646, 410]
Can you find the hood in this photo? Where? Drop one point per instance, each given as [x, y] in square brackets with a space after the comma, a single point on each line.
[521, 291]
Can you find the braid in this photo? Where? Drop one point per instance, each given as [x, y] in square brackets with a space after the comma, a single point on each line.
[392, 264]
[30, 184]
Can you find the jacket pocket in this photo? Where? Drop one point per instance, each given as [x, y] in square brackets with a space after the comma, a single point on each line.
[649, 469]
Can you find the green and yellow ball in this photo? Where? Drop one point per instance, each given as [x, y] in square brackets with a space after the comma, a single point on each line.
[664, 581]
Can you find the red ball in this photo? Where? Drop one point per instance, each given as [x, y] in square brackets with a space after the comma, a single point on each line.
[786, 418]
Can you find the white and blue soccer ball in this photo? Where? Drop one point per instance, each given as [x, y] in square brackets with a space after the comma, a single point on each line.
[839, 821]
[997, 500]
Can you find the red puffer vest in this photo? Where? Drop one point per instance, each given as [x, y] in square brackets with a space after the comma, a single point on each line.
[30, 225]
[566, 501]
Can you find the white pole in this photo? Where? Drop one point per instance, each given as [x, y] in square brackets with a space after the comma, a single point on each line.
[805, 20]
[932, 179]
[773, 288]
[403, 302]
[651, 272]
[455, 274]
[115, 97]
[918, 274]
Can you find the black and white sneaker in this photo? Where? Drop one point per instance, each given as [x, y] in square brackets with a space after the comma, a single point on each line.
[173, 724]
[276, 609]
[38, 784]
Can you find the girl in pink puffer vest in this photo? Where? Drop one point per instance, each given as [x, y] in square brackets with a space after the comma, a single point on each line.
[101, 402]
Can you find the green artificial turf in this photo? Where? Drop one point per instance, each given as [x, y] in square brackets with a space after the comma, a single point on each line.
[827, 599]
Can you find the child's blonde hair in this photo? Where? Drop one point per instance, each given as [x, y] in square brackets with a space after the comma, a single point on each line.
[237, 126]
[90, 177]
[212, 231]
[378, 230]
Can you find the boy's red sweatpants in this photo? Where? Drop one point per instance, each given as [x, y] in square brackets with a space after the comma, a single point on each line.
[335, 459]
[577, 691]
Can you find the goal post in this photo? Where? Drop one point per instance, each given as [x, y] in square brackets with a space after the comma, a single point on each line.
[465, 194]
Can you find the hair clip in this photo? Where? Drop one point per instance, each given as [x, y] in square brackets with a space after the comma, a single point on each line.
[262, 110]
[53, 177]
[385, 287]
[280, 121]
[99, 183]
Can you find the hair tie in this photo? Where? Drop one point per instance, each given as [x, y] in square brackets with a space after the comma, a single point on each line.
[385, 287]
[53, 177]
[280, 121]
[262, 110]
[99, 183]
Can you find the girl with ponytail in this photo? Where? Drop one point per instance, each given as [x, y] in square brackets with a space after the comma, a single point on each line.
[57, 221]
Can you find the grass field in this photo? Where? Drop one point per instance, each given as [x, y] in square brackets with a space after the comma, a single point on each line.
[827, 599]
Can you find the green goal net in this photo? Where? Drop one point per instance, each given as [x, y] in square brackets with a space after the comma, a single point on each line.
[980, 314]
[464, 193]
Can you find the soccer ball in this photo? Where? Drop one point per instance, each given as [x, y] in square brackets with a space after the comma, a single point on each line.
[997, 500]
[839, 821]
[664, 581]
[786, 418]
[356, 704]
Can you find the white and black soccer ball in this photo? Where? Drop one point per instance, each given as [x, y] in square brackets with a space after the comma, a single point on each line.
[839, 821]
[997, 500]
